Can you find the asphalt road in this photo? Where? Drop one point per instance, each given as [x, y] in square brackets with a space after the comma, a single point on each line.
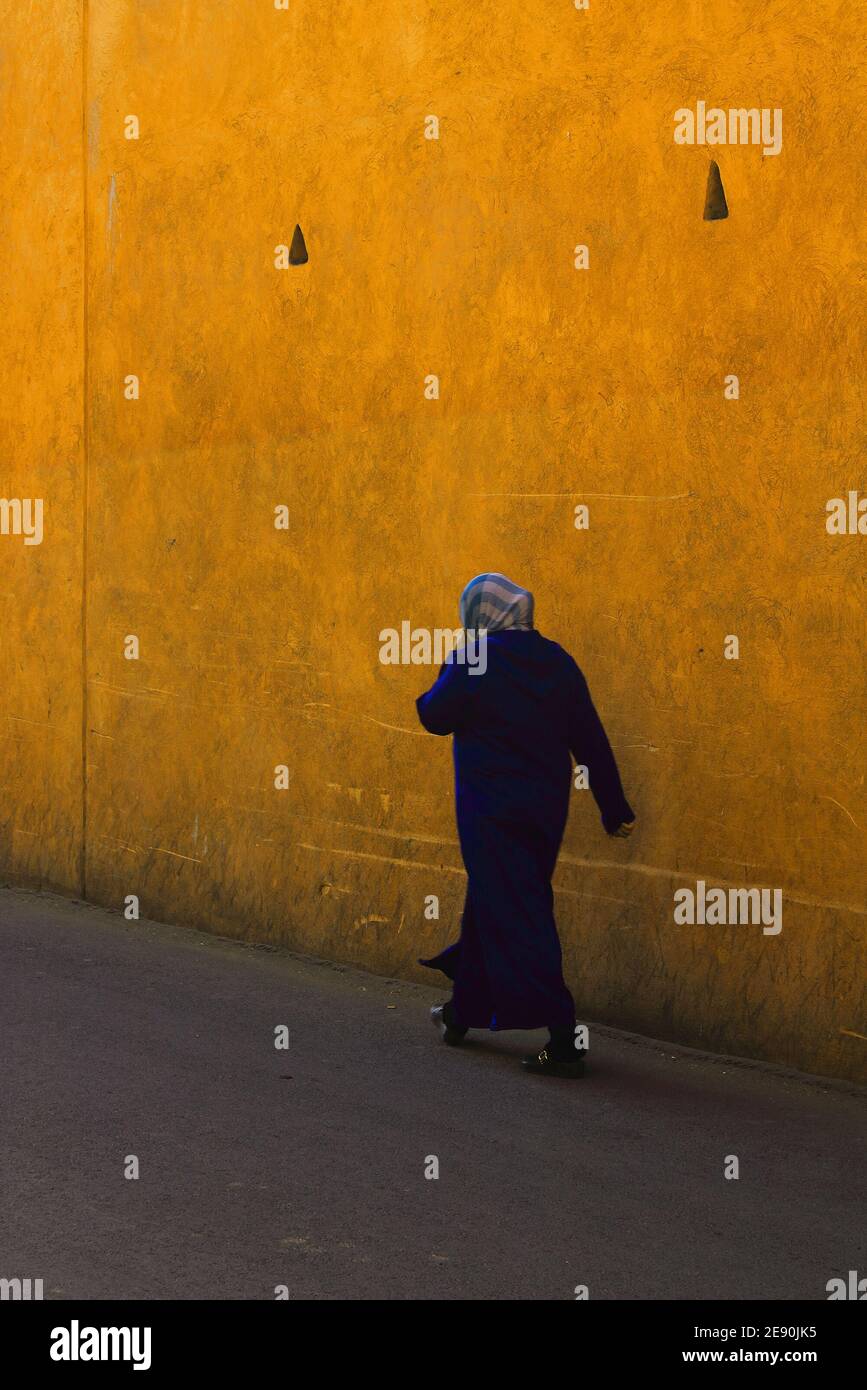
[305, 1167]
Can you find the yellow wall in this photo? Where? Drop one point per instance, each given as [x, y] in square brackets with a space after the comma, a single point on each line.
[305, 387]
[42, 448]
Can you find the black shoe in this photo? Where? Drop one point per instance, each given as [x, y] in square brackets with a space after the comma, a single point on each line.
[546, 1063]
[440, 1017]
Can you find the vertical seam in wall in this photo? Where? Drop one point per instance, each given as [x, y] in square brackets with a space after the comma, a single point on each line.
[85, 442]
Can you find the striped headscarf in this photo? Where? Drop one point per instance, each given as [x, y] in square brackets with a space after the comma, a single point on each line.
[493, 602]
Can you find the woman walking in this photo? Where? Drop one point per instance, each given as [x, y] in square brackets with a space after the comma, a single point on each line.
[515, 722]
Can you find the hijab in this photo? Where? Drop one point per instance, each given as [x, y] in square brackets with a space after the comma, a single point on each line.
[493, 602]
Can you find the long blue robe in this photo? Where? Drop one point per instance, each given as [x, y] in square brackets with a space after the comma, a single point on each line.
[514, 728]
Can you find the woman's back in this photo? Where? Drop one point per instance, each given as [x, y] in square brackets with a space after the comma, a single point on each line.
[515, 724]
[514, 742]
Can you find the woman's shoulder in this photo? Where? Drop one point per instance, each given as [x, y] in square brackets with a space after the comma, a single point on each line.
[559, 654]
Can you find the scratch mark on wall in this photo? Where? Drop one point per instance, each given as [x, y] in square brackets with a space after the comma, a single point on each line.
[353, 714]
[843, 809]
[112, 208]
[621, 496]
[110, 840]
[597, 897]
[156, 849]
[381, 858]
[802, 899]
[376, 830]
[92, 128]
[118, 689]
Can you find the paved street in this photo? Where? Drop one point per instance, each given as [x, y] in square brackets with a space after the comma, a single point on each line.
[306, 1166]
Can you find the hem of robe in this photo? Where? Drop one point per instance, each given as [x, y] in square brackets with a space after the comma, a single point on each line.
[493, 1022]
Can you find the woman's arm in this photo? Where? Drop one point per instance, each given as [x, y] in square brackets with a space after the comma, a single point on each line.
[443, 708]
[590, 747]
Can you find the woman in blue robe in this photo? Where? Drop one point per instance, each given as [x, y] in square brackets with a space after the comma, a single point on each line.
[518, 706]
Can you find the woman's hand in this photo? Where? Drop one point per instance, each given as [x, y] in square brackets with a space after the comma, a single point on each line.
[623, 831]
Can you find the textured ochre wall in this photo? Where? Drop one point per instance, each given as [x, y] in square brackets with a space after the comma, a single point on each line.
[305, 387]
[41, 441]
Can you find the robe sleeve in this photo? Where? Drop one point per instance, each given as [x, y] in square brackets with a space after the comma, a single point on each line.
[444, 708]
[590, 748]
